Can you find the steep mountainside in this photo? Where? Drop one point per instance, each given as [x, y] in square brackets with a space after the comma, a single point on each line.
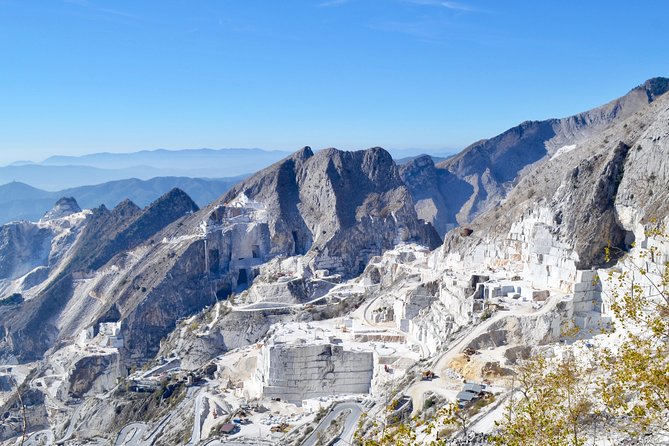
[102, 235]
[561, 216]
[135, 267]
[346, 205]
[483, 173]
[303, 280]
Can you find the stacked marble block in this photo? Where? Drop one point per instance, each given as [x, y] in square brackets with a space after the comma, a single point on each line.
[587, 301]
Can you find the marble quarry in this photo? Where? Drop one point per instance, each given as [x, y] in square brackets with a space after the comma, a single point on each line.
[295, 372]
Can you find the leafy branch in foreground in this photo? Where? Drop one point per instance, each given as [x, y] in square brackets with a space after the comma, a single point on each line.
[619, 391]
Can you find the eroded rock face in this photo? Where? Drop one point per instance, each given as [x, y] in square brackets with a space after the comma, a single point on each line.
[483, 174]
[95, 374]
[31, 328]
[23, 247]
[341, 207]
[230, 331]
[560, 217]
[64, 207]
[299, 372]
[584, 206]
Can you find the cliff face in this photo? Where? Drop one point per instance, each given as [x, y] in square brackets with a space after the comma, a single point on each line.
[60, 300]
[64, 207]
[483, 174]
[23, 246]
[560, 217]
[438, 194]
[341, 207]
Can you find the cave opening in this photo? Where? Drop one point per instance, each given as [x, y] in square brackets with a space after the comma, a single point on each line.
[242, 278]
[296, 243]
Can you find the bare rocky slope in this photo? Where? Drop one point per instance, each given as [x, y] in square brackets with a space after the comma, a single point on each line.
[146, 268]
[315, 237]
[349, 205]
[605, 191]
[481, 176]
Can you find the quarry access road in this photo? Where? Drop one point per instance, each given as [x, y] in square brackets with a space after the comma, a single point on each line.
[261, 306]
[130, 434]
[346, 436]
[264, 305]
[197, 423]
[440, 385]
[39, 438]
[442, 360]
[70, 427]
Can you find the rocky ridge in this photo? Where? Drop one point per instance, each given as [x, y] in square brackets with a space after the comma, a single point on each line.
[483, 174]
[279, 258]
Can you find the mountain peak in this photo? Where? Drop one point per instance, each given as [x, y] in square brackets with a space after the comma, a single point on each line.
[303, 154]
[64, 206]
[655, 87]
[177, 198]
[127, 207]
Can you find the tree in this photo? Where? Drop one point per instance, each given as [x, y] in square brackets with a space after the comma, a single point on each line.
[552, 404]
[635, 388]
[621, 388]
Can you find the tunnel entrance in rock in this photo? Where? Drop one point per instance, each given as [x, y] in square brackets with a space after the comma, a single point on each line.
[214, 261]
[224, 292]
[255, 250]
[242, 278]
[296, 243]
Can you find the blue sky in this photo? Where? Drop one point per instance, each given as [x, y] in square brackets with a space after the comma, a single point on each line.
[81, 76]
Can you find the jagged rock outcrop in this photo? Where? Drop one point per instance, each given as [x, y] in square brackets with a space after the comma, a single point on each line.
[438, 194]
[561, 216]
[484, 173]
[60, 305]
[341, 207]
[126, 226]
[23, 247]
[167, 261]
[584, 206]
[64, 207]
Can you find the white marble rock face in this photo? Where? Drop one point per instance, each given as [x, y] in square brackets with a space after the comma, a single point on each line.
[298, 372]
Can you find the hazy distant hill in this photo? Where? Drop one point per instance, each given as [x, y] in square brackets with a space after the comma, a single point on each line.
[19, 201]
[62, 172]
[55, 178]
[405, 160]
[195, 163]
[171, 159]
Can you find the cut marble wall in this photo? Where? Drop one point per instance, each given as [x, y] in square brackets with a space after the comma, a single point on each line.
[294, 372]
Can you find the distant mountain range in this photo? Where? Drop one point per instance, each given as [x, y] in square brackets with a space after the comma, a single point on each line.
[19, 201]
[63, 172]
[200, 160]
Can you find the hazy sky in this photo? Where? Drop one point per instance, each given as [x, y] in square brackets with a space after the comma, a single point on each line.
[79, 76]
